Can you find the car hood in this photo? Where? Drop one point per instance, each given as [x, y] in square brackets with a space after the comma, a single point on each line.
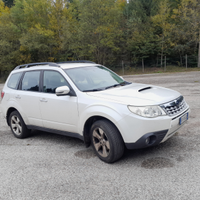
[137, 94]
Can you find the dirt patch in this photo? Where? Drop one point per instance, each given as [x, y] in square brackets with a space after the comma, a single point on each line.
[157, 163]
[85, 154]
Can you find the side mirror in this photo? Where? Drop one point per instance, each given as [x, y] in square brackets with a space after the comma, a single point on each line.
[121, 77]
[63, 90]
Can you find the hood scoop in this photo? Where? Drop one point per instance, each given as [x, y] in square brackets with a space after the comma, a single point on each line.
[146, 88]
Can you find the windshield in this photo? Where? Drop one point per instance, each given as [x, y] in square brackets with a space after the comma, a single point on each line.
[94, 78]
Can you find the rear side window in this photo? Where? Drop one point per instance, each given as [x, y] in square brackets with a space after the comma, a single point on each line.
[14, 80]
[30, 81]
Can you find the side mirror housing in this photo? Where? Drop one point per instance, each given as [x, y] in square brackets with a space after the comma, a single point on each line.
[121, 77]
[62, 91]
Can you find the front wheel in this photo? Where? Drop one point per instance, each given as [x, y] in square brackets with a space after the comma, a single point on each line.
[17, 125]
[106, 141]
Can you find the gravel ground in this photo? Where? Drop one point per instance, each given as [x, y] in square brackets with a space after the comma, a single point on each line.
[49, 166]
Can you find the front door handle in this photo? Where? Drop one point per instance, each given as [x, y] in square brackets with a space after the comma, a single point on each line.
[43, 100]
[17, 97]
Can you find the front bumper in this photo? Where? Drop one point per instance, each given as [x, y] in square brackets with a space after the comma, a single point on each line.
[147, 140]
[151, 132]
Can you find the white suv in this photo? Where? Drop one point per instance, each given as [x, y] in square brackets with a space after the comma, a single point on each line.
[88, 101]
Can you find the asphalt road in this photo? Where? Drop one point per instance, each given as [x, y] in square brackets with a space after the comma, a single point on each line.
[49, 166]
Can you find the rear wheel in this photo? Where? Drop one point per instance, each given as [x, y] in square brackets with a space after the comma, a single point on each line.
[17, 125]
[106, 141]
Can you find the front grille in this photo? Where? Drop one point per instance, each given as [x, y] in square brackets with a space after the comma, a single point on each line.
[175, 107]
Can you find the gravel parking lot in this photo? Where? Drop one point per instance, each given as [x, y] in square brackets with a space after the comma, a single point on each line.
[49, 166]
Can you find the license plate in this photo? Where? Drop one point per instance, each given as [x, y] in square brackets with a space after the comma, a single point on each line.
[183, 119]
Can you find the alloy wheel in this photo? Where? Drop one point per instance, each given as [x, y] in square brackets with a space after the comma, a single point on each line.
[101, 142]
[16, 125]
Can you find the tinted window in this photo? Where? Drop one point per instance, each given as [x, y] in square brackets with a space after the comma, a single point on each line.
[14, 80]
[30, 81]
[52, 80]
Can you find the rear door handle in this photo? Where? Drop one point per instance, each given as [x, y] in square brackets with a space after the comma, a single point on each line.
[43, 100]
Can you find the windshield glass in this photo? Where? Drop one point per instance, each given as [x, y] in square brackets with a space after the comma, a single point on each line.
[94, 78]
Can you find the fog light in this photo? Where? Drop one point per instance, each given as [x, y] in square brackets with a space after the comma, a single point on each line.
[147, 140]
[150, 140]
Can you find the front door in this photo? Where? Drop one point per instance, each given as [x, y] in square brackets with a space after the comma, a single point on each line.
[58, 112]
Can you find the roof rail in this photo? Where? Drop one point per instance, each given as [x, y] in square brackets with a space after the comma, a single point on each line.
[77, 61]
[37, 64]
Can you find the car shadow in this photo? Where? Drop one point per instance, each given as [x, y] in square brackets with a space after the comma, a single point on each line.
[55, 138]
[165, 153]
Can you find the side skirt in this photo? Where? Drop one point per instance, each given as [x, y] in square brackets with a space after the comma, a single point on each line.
[75, 135]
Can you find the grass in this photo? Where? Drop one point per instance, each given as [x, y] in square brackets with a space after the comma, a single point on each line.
[152, 70]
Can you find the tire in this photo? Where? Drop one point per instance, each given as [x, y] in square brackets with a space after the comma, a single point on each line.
[18, 126]
[106, 141]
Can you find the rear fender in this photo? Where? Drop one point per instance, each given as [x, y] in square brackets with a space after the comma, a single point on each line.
[13, 105]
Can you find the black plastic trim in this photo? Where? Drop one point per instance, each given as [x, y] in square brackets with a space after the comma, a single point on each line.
[146, 88]
[139, 144]
[75, 135]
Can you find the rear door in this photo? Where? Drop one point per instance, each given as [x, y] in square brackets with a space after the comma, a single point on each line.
[28, 97]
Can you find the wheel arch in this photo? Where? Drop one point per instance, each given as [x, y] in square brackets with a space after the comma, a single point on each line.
[10, 110]
[87, 127]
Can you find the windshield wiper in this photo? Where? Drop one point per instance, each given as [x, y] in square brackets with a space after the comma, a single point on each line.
[115, 85]
[93, 90]
[125, 83]
[118, 84]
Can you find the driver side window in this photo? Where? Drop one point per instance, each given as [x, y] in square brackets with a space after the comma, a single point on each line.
[52, 80]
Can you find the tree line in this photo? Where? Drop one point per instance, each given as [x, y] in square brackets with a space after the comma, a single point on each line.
[104, 31]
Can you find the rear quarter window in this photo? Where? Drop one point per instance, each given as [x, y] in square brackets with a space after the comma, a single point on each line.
[14, 80]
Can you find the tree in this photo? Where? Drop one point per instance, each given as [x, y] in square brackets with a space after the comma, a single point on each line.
[142, 41]
[9, 3]
[161, 22]
[70, 40]
[40, 25]
[187, 16]
[3, 8]
[9, 44]
[99, 29]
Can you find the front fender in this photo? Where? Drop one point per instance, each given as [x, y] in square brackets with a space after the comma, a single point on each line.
[103, 111]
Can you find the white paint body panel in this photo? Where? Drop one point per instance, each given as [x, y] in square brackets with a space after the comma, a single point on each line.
[59, 113]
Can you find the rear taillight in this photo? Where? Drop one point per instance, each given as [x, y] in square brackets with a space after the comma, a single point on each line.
[2, 94]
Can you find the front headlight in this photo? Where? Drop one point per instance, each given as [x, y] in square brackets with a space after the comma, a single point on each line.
[147, 111]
